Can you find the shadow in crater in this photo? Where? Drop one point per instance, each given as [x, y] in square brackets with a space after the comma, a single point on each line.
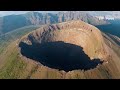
[59, 55]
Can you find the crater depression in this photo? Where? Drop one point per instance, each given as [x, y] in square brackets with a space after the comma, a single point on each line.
[67, 46]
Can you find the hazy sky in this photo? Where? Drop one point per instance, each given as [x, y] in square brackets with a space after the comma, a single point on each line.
[4, 13]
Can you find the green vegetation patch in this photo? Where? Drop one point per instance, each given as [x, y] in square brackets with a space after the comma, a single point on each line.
[13, 68]
[5, 39]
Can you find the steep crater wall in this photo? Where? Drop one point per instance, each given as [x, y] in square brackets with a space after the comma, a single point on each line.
[66, 46]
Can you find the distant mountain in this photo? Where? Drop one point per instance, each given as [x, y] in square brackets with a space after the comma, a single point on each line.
[11, 22]
[100, 13]
[80, 15]
[115, 14]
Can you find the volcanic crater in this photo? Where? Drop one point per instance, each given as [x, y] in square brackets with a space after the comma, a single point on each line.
[72, 45]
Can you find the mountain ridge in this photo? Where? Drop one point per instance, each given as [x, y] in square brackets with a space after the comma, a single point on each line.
[11, 22]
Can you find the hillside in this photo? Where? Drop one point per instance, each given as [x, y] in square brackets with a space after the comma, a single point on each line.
[68, 50]
[9, 37]
[12, 22]
[113, 42]
[112, 28]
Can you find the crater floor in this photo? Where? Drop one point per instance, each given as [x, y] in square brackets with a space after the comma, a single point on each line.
[59, 55]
